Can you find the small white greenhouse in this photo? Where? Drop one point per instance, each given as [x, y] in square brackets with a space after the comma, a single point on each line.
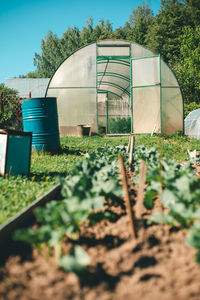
[192, 124]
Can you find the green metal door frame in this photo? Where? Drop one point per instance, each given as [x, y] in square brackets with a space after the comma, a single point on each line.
[123, 60]
[139, 86]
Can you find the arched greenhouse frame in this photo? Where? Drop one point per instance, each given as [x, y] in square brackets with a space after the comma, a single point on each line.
[116, 82]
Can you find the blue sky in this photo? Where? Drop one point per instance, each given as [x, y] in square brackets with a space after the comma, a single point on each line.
[24, 23]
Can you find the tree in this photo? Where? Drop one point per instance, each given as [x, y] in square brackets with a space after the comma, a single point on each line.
[163, 35]
[10, 108]
[193, 8]
[69, 42]
[101, 31]
[54, 50]
[33, 74]
[7, 91]
[87, 32]
[119, 34]
[50, 57]
[187, 67]
[138, 25]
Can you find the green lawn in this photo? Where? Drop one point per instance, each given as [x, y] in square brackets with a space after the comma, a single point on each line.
[18, 192]
[170, 146]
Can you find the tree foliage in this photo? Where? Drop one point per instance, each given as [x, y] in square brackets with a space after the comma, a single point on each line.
[193, 8]
[10, 108]
[139, 24]
[163, 36]
[173, 33]
[51, 56]
[55, 50]
[7, 91]
[187, 67]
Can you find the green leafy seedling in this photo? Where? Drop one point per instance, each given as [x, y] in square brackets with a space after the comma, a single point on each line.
[76, 261]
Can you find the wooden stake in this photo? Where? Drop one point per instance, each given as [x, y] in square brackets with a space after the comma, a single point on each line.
[141, 188]
[129, 142]
[127, 198]
[132, 140]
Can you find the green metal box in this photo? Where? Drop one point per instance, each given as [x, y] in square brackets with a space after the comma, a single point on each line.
[15, 152]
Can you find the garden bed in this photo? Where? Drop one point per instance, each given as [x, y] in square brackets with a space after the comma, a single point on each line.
[157, 265]
[17, 192]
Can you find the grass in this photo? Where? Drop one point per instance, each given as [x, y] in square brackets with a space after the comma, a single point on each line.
[17, 192]
[170, 146]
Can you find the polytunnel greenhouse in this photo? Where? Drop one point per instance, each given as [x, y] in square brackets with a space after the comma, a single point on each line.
[119, 86]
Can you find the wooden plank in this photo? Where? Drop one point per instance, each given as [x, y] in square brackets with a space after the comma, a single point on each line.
[132, 141]
[26, 216]
[127, 197]
[141, 190]
[128, 147]
[117, 134]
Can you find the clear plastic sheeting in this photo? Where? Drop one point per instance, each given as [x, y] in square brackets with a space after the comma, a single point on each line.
[79, 105]
[167, 76]
[79, 70]
[116, 51]
[172, 110]
[192, 124]
[113, 75]
[146, 110]
[140, 51]
[145, 71]
[145, 94]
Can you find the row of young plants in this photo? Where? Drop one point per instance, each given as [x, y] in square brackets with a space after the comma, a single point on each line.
[95, 180]
[17, 192]
[90, 184]
[178, 189]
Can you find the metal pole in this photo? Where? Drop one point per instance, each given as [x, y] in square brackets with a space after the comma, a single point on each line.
[107, 116]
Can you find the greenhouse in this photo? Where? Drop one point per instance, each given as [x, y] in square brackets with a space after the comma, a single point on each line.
[119, 87]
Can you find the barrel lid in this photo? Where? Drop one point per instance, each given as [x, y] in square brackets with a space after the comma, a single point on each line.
[15, 132]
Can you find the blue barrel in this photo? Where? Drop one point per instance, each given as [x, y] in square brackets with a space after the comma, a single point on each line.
[41, 118]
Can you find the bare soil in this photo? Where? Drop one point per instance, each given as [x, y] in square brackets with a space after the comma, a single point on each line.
[157, 265]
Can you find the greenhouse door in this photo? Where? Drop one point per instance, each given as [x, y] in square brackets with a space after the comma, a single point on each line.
[113, 87]
[146, 94]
